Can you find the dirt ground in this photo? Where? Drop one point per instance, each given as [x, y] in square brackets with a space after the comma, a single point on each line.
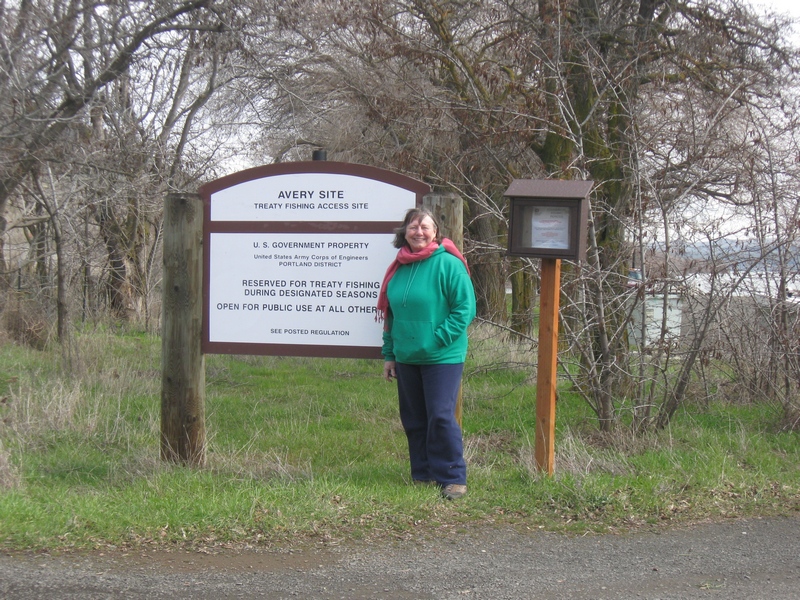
[736, 559]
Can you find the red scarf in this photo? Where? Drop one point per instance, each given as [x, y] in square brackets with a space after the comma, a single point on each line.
[406, 256]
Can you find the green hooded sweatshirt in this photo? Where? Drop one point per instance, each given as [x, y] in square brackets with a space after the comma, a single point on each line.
[431, 304]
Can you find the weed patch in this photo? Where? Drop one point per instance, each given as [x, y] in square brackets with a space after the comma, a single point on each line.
[313, 449]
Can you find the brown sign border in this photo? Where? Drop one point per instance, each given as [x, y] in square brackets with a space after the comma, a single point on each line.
[419, 188]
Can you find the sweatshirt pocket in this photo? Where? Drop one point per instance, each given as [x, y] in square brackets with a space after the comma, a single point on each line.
[413, 340]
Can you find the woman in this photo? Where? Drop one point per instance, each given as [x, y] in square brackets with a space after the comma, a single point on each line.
[427, 301]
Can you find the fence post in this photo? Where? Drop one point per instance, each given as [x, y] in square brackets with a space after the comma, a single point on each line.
[182, 362]
[449, 211]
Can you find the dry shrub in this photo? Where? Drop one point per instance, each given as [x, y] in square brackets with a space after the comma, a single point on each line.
[579, 456]
[26, 321]
[5, 338]
[790, 421]
[495, 348]
[483, 450]
[59, 406]
[258, 466]
[9, 476]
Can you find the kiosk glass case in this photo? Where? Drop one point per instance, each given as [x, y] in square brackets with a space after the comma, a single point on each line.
[548, 218]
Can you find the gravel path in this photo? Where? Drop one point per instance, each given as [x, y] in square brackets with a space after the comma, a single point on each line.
[738, 559]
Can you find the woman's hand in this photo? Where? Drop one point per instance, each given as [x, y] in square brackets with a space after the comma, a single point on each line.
[389, 371]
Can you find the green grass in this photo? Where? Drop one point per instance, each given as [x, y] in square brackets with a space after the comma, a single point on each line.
[304, 449]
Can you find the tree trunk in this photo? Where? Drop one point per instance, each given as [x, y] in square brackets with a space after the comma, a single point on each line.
[488, 272]
[523, 297]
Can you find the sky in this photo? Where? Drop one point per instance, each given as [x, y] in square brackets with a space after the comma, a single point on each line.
[789, 7]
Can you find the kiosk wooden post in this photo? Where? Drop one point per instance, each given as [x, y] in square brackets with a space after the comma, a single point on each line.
[544, 452]
[548, 220]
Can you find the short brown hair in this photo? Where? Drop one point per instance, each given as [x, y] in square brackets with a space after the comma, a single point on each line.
[414, 214]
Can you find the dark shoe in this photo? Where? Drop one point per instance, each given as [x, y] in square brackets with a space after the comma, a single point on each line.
[453, 491]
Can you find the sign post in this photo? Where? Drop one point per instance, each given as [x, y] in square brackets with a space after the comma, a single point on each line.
[548, 221]
[183, 384]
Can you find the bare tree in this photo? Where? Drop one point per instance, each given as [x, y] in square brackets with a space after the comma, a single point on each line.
[142, 146]
[645, 97]
[66, 67]
[681, 113]
[428, 88]
[753, 352]
[646, 100]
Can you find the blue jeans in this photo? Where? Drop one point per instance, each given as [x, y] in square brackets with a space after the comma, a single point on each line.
[428, 395]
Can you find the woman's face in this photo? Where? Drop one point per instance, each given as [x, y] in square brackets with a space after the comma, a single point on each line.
[420, 233]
